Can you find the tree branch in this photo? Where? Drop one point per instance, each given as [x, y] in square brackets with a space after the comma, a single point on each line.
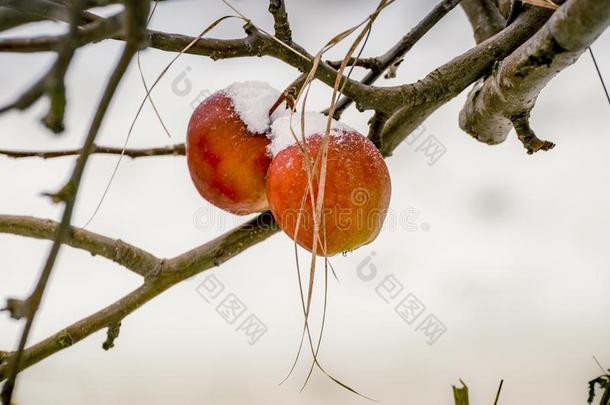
[124, 254]
[258, 44]
[277, 8]
[440, 86]
[136, 14]
[52, 83]
[167, 274]
[485, 18]
[403, 46]
[173, 150]
[10, 18]
[505, 99]
[101, 28]
[40, 9]
[527, 136]
[386, 99]
[367, 63]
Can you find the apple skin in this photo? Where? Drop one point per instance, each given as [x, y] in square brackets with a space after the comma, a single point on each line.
[356, 197]
[227, 163]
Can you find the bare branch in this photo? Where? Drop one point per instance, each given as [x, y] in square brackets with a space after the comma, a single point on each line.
[101, 28]
[498, 392]
[254, 44]
[41, 9]
[527, 136]
[169, 273]
[367, 63]
[81, 329]
[124, 254]
[485, 18]
[136, 13]
[112, 335]
[452, 78]
[10, 18]
[504, 7]
[15, 13]
[367, 97]
[376, 124]
[173, 150]
[52, 83]
[505, 98]
[277, 8]
[403, 46]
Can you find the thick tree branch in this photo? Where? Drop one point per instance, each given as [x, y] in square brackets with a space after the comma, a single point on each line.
[440, 86]
[505, 99]
[173, 150]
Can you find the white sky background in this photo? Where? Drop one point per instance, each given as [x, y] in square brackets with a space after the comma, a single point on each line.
[514, 261]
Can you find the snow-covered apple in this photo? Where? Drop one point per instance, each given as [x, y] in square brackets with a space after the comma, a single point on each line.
[357, 187]
[226, 146]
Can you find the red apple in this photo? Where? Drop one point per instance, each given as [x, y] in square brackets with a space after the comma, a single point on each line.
[226, 147]
[357, 188]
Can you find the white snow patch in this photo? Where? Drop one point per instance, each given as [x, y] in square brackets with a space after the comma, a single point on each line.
[315, 123]
[252, 100]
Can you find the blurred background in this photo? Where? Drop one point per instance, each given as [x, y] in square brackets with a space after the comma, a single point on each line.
[508, 253]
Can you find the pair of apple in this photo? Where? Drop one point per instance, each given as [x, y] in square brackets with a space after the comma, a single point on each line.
[244, 159]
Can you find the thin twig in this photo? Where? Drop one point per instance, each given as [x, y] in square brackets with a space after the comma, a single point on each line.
[277, 8]
[367, 63]
[52, 83]
[528, 137]
[498, 393]
[173, 150]
[599, 74]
